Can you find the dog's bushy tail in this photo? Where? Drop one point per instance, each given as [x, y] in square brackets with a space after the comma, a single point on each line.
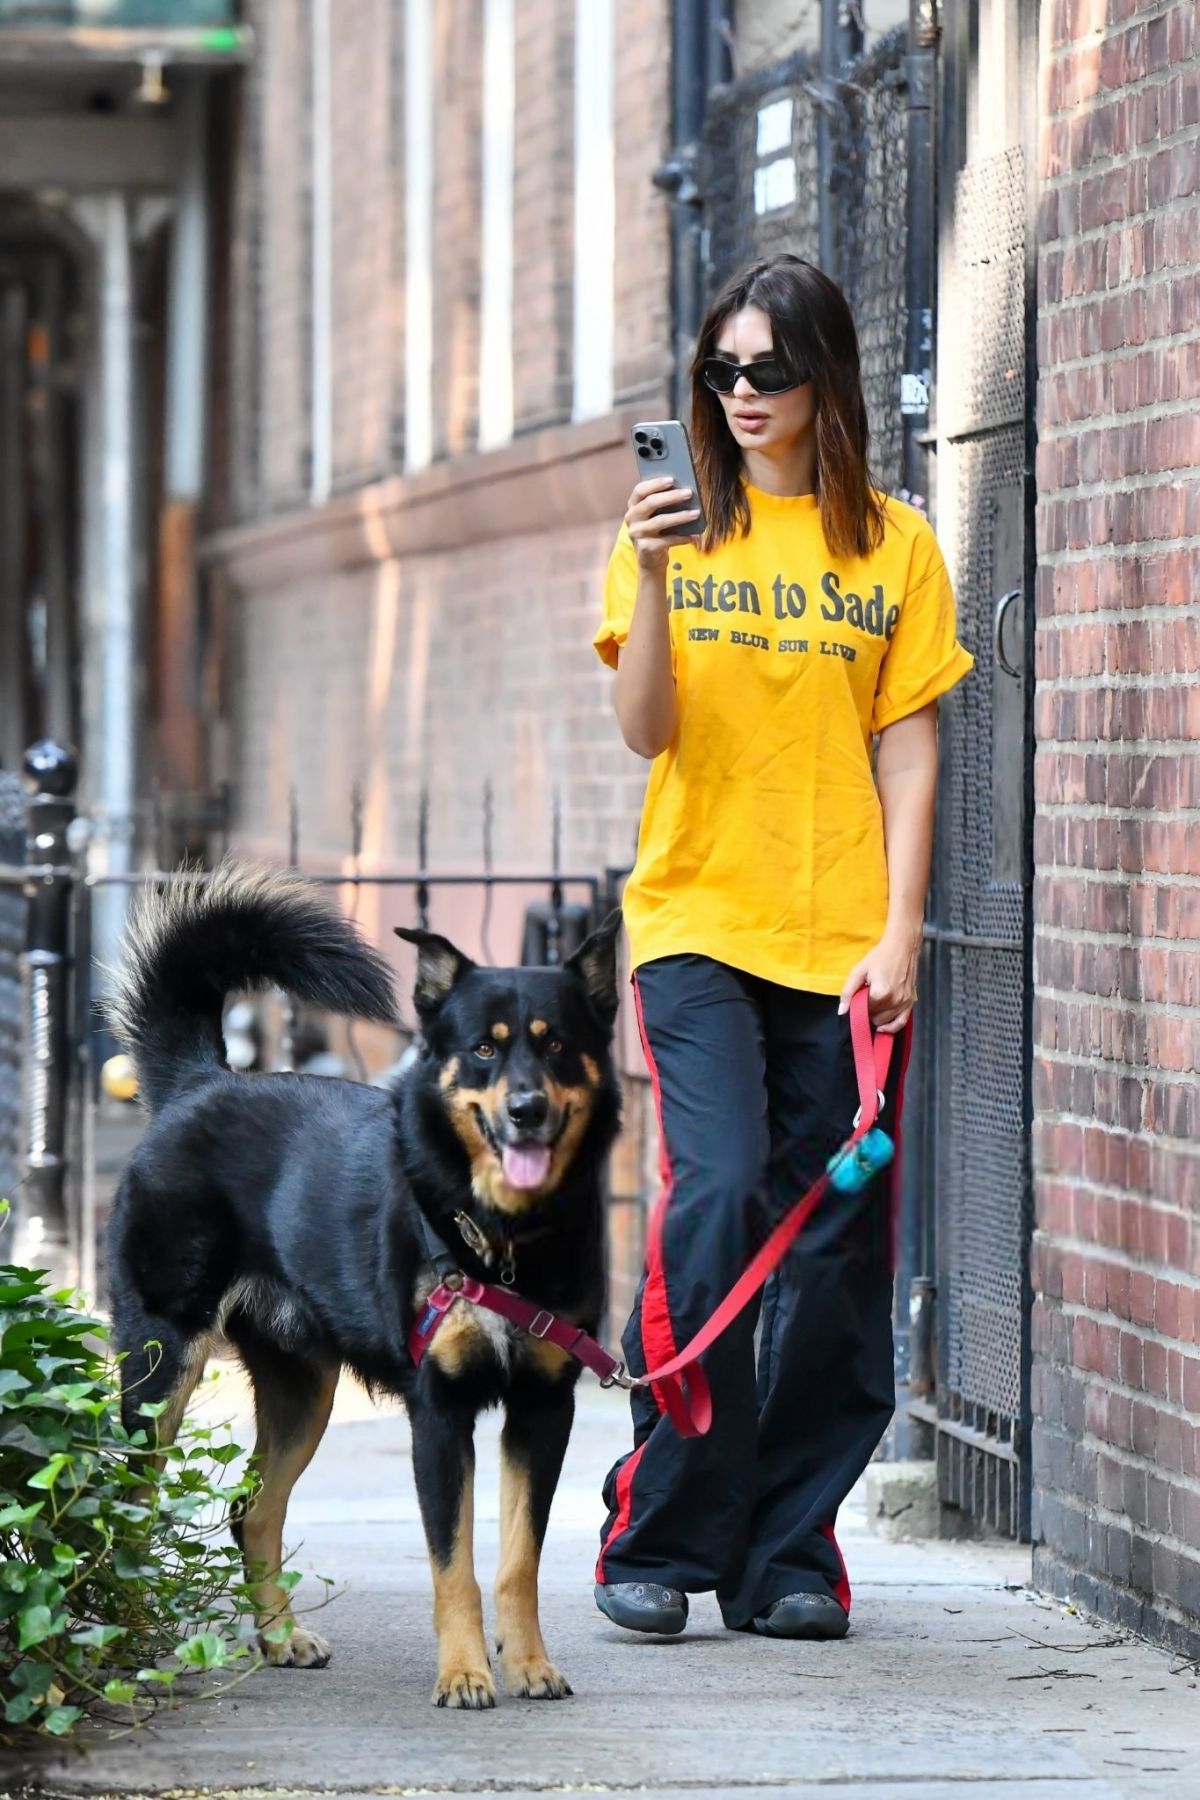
[188, 946]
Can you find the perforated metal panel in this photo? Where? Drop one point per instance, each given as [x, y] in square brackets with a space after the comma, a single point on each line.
[985, 318]
[761, 177]
[871, 180]
[982, 1176]
[12, 942]
[758, 200]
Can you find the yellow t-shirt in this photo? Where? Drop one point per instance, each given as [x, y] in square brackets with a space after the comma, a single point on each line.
[761, 841]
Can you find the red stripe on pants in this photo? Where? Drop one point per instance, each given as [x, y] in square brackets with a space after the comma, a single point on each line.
[842, 1585]
[658, 1337]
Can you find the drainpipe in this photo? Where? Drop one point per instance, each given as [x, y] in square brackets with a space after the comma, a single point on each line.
[916, 1292]
[180, 748]
[110, 594]
[700, 61]
[921, 241]
[841, 41]
[321, 373]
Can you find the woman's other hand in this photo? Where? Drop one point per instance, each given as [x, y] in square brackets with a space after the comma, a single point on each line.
[889, 973]
[655, 509]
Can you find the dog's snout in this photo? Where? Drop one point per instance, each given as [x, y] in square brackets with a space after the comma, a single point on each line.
[529, 1110]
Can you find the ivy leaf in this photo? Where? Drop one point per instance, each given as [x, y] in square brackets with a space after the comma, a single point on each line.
[224, 1453]
[60, 1719]
[119, 1690]
[99, 1635]
[46, 1476]
[34, 1625]
[20, 1707]
[32, 1678]
[20, 1515]
[204, 1651]
[72, 1392]
[133, 1565]
[17, 1436]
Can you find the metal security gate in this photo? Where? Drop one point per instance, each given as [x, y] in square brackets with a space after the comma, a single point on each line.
[12, 946]
[65, 1130]
[793, 160]
[980, 925]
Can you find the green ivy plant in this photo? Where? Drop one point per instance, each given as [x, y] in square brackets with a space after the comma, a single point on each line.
[116, 1573]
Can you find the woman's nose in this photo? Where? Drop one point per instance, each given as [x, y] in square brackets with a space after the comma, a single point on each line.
[743, 387]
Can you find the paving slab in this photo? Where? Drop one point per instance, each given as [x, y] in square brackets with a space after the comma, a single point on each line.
[956, 1680]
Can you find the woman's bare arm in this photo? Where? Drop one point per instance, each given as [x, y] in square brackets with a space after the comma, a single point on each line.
[645, 687]
[906, 776]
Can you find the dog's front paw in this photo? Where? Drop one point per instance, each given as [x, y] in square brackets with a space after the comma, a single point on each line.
[299, 1650]
[533, 1678]
[471, 1689]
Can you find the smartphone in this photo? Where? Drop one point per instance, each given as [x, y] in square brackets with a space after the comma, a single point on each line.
[661, 447]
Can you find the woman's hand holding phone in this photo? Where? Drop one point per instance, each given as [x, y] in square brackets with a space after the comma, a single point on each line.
[656, 509]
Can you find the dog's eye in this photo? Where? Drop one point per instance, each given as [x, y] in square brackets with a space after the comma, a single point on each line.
[554, 1047]
[485, 1051]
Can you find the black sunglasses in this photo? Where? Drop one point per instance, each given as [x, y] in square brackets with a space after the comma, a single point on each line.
[766, 376]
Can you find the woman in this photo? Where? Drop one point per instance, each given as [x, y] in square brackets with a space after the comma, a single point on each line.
[776, 874]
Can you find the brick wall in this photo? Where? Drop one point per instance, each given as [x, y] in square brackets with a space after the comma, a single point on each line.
[366, 85]
[641, 131]
[377, 656]
[282, 382]
[1117, 833]
[457, 210]
[543, 212]
[403, 649]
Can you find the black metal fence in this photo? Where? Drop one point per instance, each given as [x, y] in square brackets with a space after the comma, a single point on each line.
[794, 160]
[12, 946]
[60, 1151]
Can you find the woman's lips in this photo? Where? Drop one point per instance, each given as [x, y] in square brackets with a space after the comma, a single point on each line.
[751, 421]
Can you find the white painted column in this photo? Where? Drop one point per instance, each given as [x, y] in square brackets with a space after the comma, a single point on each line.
[322, 257]
[496, 297]
[595, 208]
[418, 234]
[110, 585]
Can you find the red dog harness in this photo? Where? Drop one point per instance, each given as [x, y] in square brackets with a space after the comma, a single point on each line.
[681, 1382]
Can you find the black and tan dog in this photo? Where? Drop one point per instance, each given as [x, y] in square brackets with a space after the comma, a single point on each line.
[282, 1213]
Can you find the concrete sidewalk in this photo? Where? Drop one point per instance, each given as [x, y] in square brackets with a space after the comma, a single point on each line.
[955, 1679]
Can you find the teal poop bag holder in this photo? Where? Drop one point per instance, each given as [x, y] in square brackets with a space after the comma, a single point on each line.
[851, 1167]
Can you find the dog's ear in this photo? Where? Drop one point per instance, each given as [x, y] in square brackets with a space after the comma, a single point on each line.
[595, 963]
[439, 967]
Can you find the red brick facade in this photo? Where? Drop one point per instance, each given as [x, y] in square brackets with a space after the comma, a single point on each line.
[430, 631]
[425, 632]
[1116, 1325]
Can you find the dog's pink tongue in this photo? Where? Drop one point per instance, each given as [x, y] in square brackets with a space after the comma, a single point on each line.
[526, 1165]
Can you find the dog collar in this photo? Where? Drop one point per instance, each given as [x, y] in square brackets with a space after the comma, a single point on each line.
[481, 1245]
[501, 1249]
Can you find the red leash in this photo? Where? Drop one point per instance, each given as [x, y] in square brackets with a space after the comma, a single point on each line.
[681, 1382]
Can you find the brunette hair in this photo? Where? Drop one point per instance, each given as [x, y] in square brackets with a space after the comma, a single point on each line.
[813, 331]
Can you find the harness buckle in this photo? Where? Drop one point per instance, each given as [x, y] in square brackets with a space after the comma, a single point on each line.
[536, 1328]
[621, 1378]
[881, 1102]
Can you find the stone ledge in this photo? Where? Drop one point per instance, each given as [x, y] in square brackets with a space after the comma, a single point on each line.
[902, 1501]
[564, 476]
